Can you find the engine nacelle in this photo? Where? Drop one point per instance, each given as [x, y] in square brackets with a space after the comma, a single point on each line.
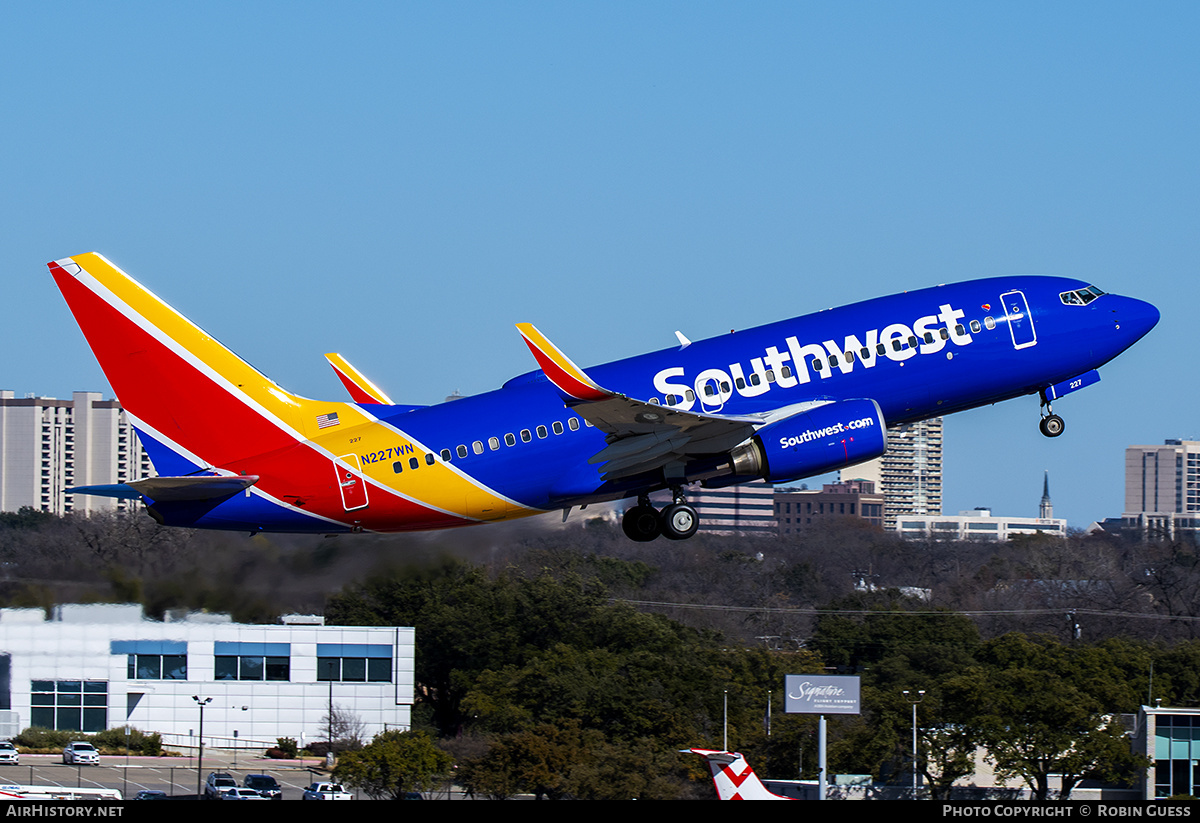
[816, 441]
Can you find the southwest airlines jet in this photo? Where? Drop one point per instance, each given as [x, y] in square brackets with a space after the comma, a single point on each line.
[780, 402]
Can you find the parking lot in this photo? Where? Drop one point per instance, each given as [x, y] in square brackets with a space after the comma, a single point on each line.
[176, 776]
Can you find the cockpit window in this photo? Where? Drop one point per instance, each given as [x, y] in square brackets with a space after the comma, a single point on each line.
[1080, 297]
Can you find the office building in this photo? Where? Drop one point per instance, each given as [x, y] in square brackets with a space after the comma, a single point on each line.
[48, 445]
[978, 525]
[796, 509]
[97, 667]
[1162, 490]
[1167, 737]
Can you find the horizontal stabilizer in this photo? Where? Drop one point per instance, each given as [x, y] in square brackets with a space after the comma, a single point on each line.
[166, 489]
[121, 491]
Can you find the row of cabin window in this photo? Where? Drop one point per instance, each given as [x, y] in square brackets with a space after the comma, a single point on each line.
[710, 388]
[493, 444]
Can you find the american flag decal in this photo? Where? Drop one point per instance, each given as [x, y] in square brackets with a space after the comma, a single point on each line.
[324, 421]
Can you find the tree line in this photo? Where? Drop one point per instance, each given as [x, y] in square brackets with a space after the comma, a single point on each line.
[568, 662]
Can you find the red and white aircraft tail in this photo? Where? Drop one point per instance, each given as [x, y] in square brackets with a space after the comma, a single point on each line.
[733, 777]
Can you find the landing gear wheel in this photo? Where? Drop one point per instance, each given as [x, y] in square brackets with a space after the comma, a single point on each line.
[679, 521]
[1052, 425]
[641, 524]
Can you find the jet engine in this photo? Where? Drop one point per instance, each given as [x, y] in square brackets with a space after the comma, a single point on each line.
[815, 441]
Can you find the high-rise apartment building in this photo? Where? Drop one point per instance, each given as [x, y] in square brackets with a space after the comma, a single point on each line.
[910, 472]
[48, 445]
[1163, 478]
[1162, 489]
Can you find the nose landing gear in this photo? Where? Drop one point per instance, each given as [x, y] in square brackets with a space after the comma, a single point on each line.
[1051, 424]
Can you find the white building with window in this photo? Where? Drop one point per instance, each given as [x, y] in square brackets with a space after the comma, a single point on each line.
[96, 667]
[978, 525]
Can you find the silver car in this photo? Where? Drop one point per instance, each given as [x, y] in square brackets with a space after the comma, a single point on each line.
[78, 752]
[9, 755]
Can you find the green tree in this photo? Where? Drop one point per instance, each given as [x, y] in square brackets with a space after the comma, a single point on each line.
[394, 763]
[469, 623]
[946, 755]
[1041, 708]
[569, 761]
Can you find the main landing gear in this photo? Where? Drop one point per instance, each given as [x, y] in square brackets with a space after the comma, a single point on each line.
[1051, 424]
[644, 523]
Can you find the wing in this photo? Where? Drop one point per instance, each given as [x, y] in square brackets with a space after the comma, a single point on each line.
[641, 436]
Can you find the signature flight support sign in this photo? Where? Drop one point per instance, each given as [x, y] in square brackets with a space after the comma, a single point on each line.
[821, 694]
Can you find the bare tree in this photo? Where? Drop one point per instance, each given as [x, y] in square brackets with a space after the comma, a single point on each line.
[345, 729]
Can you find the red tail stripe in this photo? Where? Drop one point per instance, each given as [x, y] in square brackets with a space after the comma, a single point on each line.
[184, 404]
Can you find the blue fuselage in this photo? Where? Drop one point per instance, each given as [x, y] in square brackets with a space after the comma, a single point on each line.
[918, 354]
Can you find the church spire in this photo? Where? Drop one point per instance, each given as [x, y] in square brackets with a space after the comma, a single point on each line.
[1046, 509]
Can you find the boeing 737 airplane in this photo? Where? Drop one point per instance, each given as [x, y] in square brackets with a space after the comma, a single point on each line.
[779, 402]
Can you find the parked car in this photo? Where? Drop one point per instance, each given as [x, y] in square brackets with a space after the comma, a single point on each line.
[9, 755]
[265, 785]
[326, 791]
[151, 794]
[217, 784]
[78, 752]
[240, 794]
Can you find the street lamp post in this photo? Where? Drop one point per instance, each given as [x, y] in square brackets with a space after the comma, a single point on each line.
[200, 751]
[914, 698]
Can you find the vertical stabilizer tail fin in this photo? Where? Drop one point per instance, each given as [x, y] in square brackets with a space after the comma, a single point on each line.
[194, 402]
[733, 777]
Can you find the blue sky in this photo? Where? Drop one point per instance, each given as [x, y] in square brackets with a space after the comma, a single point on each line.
[402, 182]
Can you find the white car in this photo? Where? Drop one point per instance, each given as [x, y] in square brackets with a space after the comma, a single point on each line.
[241, 794]
[9, 755]
[78, 752]
[326, 791]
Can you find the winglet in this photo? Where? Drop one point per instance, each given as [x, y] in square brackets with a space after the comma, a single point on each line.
[360, 388]
[558, 368]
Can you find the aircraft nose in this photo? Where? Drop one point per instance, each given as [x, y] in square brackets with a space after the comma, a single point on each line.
[1135, 317]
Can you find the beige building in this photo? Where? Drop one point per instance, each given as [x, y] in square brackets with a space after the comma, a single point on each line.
[909, 474]
[1162, 489]
[796, 509]
[48, 445]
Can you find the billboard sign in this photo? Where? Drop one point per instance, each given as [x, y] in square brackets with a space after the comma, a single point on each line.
[821, 694]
